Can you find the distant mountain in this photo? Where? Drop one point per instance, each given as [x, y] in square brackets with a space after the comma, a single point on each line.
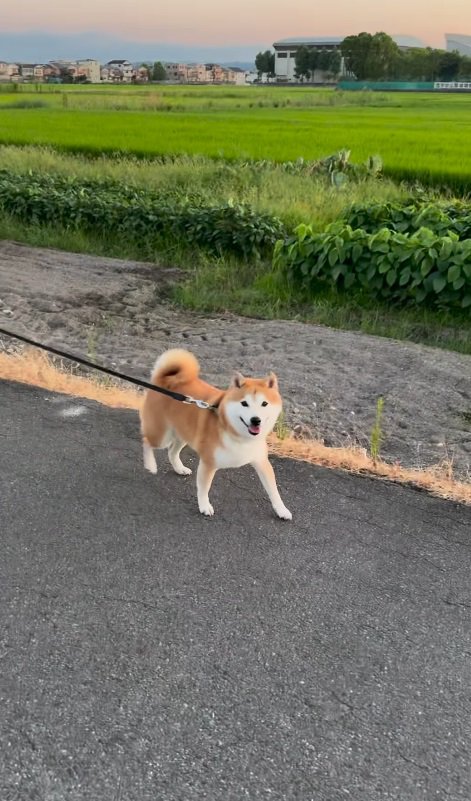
[41, 46]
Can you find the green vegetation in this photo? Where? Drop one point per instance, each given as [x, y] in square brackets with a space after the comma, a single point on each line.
[138, 215]
[442, 217]
[377, 57]
[208, 178]
[418, 137]
[377, 435]
[287, 191]
[421, 267]
[308, 60]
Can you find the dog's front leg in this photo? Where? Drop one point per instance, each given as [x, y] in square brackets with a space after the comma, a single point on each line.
[266, 475]
[204, 479]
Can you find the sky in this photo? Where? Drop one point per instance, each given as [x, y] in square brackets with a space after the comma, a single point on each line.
[241, 22]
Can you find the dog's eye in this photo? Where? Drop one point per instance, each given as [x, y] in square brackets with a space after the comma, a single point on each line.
[265, 403]
[244, 403]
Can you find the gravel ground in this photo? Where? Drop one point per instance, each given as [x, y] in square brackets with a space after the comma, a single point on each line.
[118, 312]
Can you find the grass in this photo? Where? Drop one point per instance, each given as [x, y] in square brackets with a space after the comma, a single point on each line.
[377, 435]
[418, 137]
[293, 198]
[256, 291]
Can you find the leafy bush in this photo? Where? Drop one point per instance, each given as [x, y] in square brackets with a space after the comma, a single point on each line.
[419, 268]
[410, 216]
[104, 206]
[337, 168]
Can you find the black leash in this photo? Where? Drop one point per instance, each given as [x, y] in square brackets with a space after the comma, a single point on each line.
[201, 404]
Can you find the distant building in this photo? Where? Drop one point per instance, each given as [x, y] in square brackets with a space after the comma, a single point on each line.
[237, 76]
[176, 73]
[285, 56]
[89, 69]
[204, 73]
[118, 71]
[9, 72]
[459, 42]
[286, 49]
[27, 71]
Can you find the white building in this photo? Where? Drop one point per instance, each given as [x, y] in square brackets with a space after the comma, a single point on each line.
[459, 42]
[286, 49]
[118, 71]
[8, 71]
[285, 55]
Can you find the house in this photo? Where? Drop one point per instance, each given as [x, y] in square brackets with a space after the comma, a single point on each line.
[142, 74]
[27, 71]
[118, 71]
[9, 72]
[237, 76]
[176, 73]
[197, 73]
[62, 70]
[89, 69]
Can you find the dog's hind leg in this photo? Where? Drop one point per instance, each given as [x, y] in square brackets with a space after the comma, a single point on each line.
[174, 450]
[149, 459]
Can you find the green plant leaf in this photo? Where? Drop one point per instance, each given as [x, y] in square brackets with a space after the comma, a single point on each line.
[439, 283]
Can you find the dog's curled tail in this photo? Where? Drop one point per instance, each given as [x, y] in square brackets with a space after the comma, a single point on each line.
[175, 367]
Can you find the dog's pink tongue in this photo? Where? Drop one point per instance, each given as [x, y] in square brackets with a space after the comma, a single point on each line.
[254, 429]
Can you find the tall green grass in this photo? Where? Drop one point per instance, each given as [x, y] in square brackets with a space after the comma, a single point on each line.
[294, 198]
[426, 141]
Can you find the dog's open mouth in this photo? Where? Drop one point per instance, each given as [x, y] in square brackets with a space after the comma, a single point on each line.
[254, 430]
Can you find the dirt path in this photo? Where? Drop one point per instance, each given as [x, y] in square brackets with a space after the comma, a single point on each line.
[116, 311]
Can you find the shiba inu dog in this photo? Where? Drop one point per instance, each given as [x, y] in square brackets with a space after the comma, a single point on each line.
[231, 435]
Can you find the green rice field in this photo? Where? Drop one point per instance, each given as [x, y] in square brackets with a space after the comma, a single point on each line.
[419, 137]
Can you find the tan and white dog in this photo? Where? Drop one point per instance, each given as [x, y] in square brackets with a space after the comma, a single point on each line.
[231, 436]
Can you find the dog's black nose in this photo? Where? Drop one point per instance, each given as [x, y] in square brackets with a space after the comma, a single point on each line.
[255, 421]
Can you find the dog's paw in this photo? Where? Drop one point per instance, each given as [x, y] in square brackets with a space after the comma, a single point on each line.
[206, 509]
[283, 513]
[183, 471]
[149, 460]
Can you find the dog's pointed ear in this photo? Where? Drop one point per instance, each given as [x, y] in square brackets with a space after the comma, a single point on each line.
[272, 381]
[238, 380]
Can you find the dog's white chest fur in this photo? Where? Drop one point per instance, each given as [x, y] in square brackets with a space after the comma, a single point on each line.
[235, 452]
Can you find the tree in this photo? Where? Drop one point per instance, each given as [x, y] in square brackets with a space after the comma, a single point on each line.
[313, 61]
[265, 63]
[449, 65]
[465, 69]
[335, 62]
[430, 64]
[382, 57]
[356, 50]
[412, 65]
[368, 56]
[323, 60]
[302, 63]
[158, 72]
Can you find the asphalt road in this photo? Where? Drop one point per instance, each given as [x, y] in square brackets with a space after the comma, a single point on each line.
[148, 653]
